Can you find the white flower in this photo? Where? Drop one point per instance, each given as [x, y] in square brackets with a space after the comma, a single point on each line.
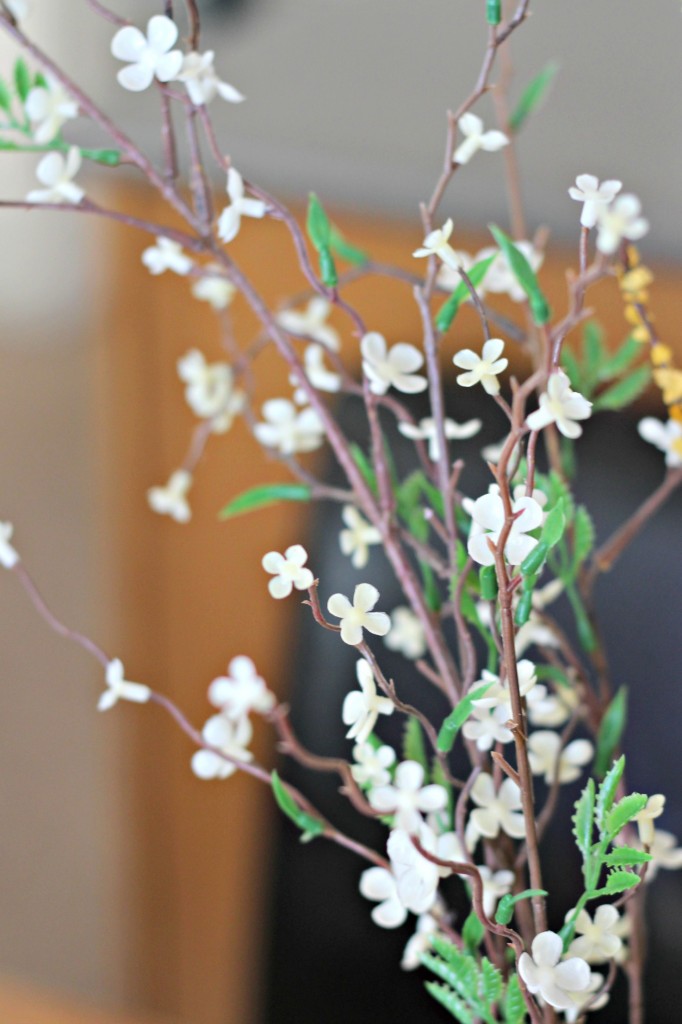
[620, 220]
[551, 709]
[561, 405]
[544, 974]
[210, 391]
[488, 517]
[597, 940]
[665, 436]
[593, 196]
[359, 615]
[356, 539]
[287, 429]
[379, 884]
[665, 853]
[425, 430]
[488, 726]
[362, 707]
[118, 688]
[471, 126]
[241, 691]
[56, 172]
[582, 1001]
[166, 255]
[214, 289]
[48, 107]
[231, 217]
[317, 373]
[495, 886]
[19, 9]
[420, 942]
[149, 56]
[406, 633]
[8, 556]
[311, 322]
[500, 279]
[202, 82]
[394, 368]
[653, 809]
[228, 736]
[547, 758]
[416, 877]
[407, 799]
[449, 278]
[436, 244]
[171, 500]
[372, 764]
[288, 571]
[497, 695]
[497, 809]
[535, 631]
[482, 369]
[493, 453]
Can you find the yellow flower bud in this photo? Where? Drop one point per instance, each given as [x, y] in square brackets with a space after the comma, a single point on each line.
[670, 383]
[661, 355]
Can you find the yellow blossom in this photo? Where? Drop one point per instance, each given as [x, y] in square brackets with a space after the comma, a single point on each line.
[670, 383]
[634, 317]
[661, 355]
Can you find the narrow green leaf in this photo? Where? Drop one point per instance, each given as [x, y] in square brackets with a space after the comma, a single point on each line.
[611, 731]
[344, 249]
[623, 812]
[328, 267]
[39, 81]
[318, 225]
[473, 932]
[491, 982]
[462, 977]
[505, 908]
[5, 96]
[22, 79]
[365, 467]
[261, 497]
[457, 717]
[514, 1003]
[553, 673]
[606, 793]
[583, 822]
[414, 748]
[624, 391]
[308, 824]
[450, 1001]
[593, 353]
[524, 274]
[109, 157]
[555, 524]
[450, 308]
[533, 96]
[626, 856]
[583, 536]
[534, 561]
[621, 360]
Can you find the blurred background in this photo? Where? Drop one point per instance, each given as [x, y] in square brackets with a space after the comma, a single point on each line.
[124, 881]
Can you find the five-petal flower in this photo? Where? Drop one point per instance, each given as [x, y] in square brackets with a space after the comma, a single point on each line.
[148, 57]
[288, 571]
[561, 405]
[482, 369]
[359, 615]
[597, 940]
[372, 764]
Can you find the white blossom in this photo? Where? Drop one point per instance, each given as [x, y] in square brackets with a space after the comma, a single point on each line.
[597, 940]
[171, 499]
[202, 82]
[437, 243]
[396, 367]
[287, 429]
[471, 127]
[288, 571]
[488, 515]
[500, 279]
[488, 726]
[667, 437]
[420, 942]
[407, 798]
[425, 430]
[214, 289]
[587, 999]
[482, 369]
[378, 884]
[56, 172]
[362, 707]
[240, 206]
[450, 278]
[561, 405]
[311, 322]
[357, 537]
[497, 694]
[241, 691]
[495, 885]
[551, 709]
[545, 975]
[317, 373]
[372, 764]
[497, 809]
[535, 631]
[664, 852]
[166, 255]
[547, 758]
[653, 809]
[416, 877]
[593, 196]
[620, 220]
[359, 615]
[406, 633]
[8, 556]
[230, 738]
[148, 57]
[48, 107]
[210, 391]
[118, 688]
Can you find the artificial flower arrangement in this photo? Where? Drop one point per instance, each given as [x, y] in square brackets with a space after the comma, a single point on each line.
[486, 569]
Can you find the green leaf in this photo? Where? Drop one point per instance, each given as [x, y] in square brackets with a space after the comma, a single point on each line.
[554, 527]
[318, 225]
[533, 96]
[493, 12]
[583, 536]
[593, 353]
[524, 274]
[491, 982]
[534, 561]
[22, 79]
[309, 825]
[623, 856]
[611, 731]
[505, 908]
[365, 467]
[488, 581]
[328, 267]
[450, 308]
[457, 717]
[607, 791]
[461, 974]
[414, 748]
[623, 812]
[450, 1001]
[109, 157]
[624, 391]
[261, 497]
[346, 251]
[5, 96]
[553, 673]
[39, 81]
[583, 823]
[514, 1003]
[620, 881]
[621, 359]
[473, 932]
